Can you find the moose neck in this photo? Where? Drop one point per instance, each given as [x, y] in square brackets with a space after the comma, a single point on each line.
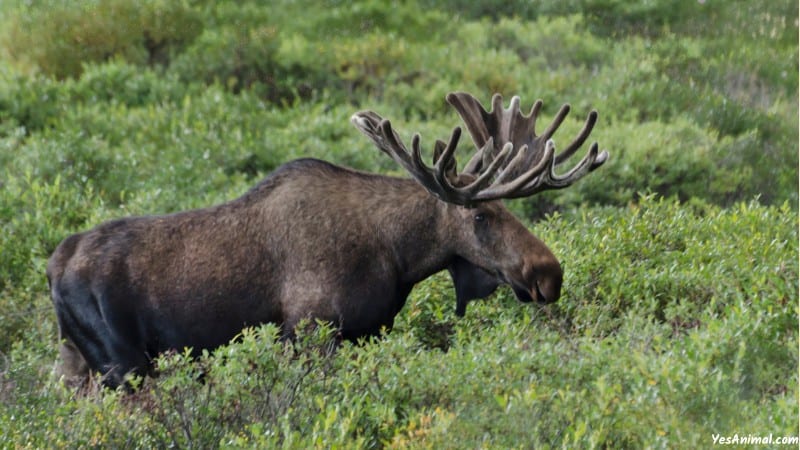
[413, 220]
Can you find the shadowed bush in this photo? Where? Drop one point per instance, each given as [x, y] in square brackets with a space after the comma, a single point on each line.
[59, 37]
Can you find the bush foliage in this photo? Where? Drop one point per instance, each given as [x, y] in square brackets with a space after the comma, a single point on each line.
[653, 344]
[679, 316]
[60, 37]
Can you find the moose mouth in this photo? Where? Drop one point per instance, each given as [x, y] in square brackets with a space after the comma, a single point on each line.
[528, 295]
[524, 293]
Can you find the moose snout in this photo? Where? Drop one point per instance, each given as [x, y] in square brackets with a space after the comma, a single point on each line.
[548, 289]
[542, 286]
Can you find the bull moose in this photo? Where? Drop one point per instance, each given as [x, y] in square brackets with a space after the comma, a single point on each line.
[318, 241]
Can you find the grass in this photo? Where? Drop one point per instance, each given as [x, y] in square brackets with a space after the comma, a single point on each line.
[679, 317]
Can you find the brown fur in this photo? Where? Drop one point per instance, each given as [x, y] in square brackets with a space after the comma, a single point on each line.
[312, 240]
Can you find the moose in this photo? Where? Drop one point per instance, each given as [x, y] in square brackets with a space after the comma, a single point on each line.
[317, 241]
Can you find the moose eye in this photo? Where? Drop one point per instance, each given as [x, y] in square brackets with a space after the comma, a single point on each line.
[480, 217]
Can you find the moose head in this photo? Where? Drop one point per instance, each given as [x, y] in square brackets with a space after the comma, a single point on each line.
[511, 161]
[316, 241]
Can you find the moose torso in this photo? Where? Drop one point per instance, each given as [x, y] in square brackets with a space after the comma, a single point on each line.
[299, 245]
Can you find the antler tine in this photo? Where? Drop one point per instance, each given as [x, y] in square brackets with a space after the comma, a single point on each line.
[537, 106]
[486, 176]
[531, 167]
[445, 163]
[510, 189]
[580, 139]
[441, 184]
[554, 181]
[557, 121]
[476, 161]
[550, 180]
[542, 176]
[511, 161]
[435, 179]
[394, 147]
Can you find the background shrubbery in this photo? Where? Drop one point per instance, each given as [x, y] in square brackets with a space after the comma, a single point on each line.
[680, 310]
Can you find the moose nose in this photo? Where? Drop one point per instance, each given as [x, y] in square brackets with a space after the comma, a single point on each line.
[542, 284]
[548, 290]
[547, 282]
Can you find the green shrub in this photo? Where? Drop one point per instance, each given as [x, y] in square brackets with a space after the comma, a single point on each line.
[34, 217]
[667, 259]
[29, 103]
[678, 317]
[615, 17]
[37, 102]
[194, 144]
[370, 62]
[349, 20]
[680, 160]
[675, 320]
[59, 38]
[118, 82]
[239, 53]
[496, 9]
[552, 42]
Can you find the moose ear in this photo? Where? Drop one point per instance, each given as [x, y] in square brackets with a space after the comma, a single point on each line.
[471, 282]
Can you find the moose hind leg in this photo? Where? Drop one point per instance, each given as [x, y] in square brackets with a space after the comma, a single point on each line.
[72, 366]
[89, 342]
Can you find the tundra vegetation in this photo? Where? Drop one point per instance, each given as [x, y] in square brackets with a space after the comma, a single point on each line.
[319, 242]
[678, 317]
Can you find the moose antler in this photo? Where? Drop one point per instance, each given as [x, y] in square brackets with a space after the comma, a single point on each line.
[511, 161]
[510, 125]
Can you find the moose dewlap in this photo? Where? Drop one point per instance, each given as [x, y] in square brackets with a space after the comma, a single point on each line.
[315, 240]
